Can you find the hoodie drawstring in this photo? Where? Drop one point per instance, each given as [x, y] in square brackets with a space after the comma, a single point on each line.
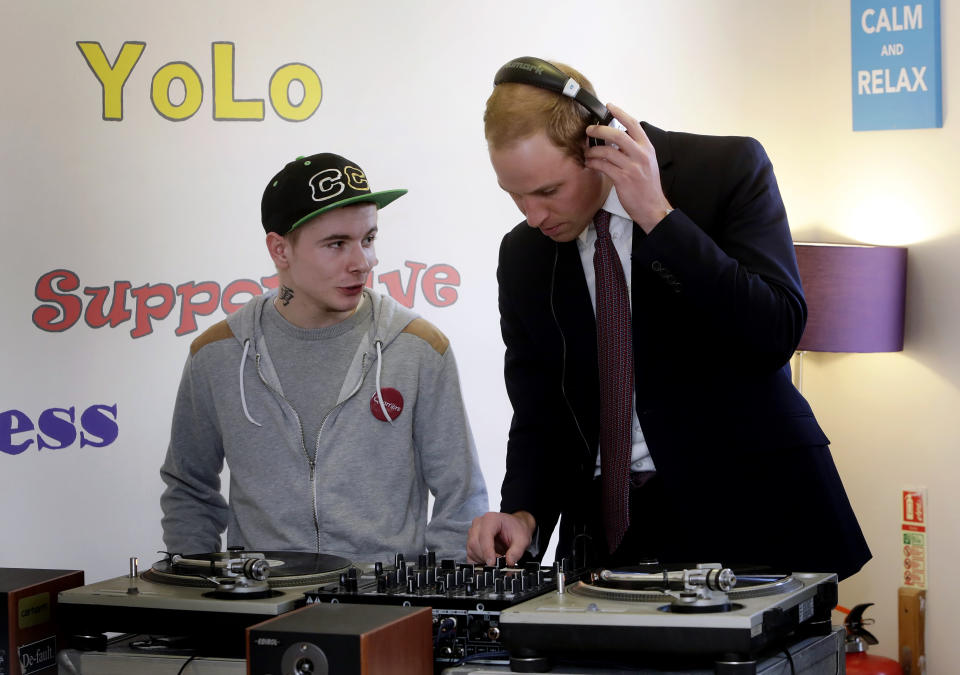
[243, 396]
[383, 408]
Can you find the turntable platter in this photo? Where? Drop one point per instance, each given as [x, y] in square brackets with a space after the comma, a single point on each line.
[287, 568]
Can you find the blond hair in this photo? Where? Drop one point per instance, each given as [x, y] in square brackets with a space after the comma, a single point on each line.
[516, 111]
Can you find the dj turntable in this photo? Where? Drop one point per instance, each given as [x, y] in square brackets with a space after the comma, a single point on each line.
[693, 616]
[207, 600]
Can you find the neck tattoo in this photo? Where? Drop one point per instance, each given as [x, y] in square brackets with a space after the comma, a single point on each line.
[285, 295]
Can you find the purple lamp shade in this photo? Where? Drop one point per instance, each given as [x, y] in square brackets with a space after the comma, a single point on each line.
[855, 297]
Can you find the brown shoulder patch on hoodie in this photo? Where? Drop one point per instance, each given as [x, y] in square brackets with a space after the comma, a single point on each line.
[429, 333]
[215, 333]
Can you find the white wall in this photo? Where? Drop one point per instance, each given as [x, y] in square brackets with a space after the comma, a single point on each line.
[153, 201]
[892, 418]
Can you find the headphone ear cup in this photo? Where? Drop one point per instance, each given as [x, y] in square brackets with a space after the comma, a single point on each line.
[609, 121]
[594, 142]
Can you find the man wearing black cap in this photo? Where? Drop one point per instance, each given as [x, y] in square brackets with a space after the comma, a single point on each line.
[336, 409]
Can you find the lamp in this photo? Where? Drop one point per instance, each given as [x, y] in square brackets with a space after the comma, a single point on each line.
[855, 299]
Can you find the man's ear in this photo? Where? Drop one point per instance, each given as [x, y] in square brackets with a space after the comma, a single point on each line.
[582, 158]
[278, 247]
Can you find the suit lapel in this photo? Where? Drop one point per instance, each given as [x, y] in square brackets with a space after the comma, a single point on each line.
[574, 314]
[571, 300]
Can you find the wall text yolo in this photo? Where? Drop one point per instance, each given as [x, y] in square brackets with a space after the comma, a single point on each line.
[177, 90]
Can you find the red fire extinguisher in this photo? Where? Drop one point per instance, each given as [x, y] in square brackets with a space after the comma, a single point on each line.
[858, 661]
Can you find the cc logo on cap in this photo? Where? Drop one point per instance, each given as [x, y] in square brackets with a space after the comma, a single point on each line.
[326, 184]
[356, 178]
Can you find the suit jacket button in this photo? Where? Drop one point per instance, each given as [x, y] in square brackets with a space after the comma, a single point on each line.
[656, 266]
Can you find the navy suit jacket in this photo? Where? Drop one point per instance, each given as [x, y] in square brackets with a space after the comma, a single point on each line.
[717, 311]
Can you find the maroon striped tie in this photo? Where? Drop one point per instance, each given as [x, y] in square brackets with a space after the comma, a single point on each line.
[615, 359]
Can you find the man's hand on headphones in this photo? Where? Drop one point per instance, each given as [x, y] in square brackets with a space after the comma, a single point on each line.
[632, 166]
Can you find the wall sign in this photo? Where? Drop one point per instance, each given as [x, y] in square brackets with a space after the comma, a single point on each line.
[913, 533]
[896, 65]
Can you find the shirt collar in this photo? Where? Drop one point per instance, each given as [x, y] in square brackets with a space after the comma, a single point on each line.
[614, 206]
[611, 205]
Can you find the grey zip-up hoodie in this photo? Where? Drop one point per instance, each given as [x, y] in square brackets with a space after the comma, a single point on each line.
[359, 490]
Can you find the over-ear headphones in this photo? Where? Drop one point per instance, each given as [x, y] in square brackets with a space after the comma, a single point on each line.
[543, 74]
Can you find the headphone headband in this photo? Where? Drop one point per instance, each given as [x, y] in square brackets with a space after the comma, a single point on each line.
[543, 74]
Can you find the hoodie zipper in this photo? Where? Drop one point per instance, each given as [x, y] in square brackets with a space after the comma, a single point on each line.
[316, 449]
[303, 446]
[312, 461]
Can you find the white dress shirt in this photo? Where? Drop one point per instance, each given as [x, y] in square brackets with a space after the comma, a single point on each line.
[621, 232]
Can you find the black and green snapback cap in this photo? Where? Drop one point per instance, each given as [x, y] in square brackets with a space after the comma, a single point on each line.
[309, 186]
